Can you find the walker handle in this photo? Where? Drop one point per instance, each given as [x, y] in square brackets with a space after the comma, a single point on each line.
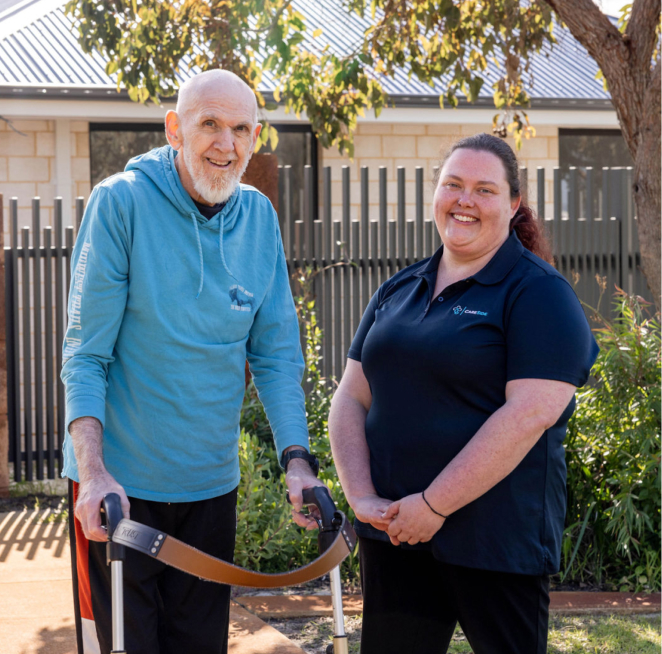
[112, 507]
[330, 520]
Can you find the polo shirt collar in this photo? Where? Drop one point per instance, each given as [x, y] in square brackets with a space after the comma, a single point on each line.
[502, 262]
[429, 271]
[494, 271]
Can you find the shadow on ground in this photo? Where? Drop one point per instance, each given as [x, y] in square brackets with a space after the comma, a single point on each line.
[61, 640]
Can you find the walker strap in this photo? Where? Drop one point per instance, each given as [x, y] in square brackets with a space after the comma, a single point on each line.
[179, 555]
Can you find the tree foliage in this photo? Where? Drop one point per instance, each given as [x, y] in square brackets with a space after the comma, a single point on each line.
[146, 42]
[452, 41]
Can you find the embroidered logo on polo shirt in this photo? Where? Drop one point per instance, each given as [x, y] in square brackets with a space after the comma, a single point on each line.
[458, 311]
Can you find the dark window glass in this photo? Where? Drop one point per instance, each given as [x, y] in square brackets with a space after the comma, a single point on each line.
[297, 147]
[112, 145]
[595, 148]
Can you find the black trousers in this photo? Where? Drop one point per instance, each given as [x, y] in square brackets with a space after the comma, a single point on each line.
[412, 603]
[165, 611]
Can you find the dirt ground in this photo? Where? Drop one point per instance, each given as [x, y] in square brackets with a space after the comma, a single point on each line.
[32, 501]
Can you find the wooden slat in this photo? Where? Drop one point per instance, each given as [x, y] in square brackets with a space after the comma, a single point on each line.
[48, 351]
[27, 356]
[346, 287]
[338, 353]
[401, 218]
[365, 254]
[38, 356]
[60, 313]
[383, 225]
[419, 214]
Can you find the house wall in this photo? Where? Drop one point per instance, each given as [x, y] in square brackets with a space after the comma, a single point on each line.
[30, 167]
[413, 144]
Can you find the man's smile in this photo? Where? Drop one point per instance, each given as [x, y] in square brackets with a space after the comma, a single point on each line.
[220, 163]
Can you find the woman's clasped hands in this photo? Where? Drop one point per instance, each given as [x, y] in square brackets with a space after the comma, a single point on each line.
[410, 520]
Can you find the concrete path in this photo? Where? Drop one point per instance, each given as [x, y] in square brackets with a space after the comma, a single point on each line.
[36, 596]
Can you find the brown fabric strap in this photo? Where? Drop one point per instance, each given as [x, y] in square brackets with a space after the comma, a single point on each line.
[188, 559]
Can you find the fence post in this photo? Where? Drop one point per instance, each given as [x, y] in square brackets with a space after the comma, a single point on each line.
[4, 425]
[541, 194]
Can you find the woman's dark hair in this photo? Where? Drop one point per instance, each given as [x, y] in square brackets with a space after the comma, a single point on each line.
[529, 230]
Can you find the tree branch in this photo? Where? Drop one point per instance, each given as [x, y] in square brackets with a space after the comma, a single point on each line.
[641, 32]
[605, 44]
[591, 28]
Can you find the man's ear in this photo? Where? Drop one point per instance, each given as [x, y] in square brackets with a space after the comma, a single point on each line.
[256, 133]
[173, 130]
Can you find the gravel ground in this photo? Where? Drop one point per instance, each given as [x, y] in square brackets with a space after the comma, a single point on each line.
[314, 635]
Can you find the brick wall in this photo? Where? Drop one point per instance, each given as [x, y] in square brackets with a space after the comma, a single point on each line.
[28, 167]
[411, 145]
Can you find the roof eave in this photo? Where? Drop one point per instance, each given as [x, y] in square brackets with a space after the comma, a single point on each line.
[110, 93]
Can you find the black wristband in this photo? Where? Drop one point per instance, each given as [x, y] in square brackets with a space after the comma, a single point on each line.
[301, 454]
[441, 515]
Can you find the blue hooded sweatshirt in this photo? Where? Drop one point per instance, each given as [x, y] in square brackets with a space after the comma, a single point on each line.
[164, 309]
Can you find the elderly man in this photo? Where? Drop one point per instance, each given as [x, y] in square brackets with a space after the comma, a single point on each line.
[178, 276]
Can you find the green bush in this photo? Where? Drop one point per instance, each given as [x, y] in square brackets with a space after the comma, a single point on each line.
[267, 539]
[612, 535]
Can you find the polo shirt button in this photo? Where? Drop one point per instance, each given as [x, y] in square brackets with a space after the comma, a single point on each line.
[441, 299]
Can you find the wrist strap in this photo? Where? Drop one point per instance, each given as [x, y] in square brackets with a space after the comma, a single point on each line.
[441, 515]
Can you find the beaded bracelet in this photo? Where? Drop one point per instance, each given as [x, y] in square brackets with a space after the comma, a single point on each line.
[441, 515]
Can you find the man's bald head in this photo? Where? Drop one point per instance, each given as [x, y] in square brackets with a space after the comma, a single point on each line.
[221, 83]
[214, 130]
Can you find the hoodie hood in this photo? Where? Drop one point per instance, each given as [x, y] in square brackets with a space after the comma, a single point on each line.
[159, 165]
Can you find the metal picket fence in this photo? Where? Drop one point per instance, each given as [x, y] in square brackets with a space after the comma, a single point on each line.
[348, 259]
[37, 274]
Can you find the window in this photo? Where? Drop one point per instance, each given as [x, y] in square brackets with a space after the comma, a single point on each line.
[596, 148]
[113, 144]
[297, 147]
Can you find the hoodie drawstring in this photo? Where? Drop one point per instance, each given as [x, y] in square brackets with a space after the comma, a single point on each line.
[202, 261]
[220, 248]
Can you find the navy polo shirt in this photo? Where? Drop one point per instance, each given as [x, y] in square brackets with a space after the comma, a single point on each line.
[438, 368]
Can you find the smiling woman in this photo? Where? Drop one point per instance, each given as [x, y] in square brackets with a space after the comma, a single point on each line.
[447, 428]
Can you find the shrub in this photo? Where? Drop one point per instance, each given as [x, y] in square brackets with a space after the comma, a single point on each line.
[612, 535]
[267, 540]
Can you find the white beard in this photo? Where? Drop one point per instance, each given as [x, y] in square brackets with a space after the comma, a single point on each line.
[216, 189]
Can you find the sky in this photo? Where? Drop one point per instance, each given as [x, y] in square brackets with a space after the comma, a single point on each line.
[612, 7]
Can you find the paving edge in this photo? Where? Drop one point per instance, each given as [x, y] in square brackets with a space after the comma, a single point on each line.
[562, 603]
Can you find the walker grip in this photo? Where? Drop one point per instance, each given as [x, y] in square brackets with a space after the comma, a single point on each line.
[112, 507]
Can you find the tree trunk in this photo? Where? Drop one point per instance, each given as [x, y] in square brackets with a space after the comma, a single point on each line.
[634, 84]
[646, 190]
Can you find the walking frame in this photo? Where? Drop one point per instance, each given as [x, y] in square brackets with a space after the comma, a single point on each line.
[336, 540]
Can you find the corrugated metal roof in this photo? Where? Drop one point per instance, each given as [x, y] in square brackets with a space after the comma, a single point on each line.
[45, 56]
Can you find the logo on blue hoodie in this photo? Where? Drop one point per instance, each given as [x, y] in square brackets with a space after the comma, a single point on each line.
[241, 299]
